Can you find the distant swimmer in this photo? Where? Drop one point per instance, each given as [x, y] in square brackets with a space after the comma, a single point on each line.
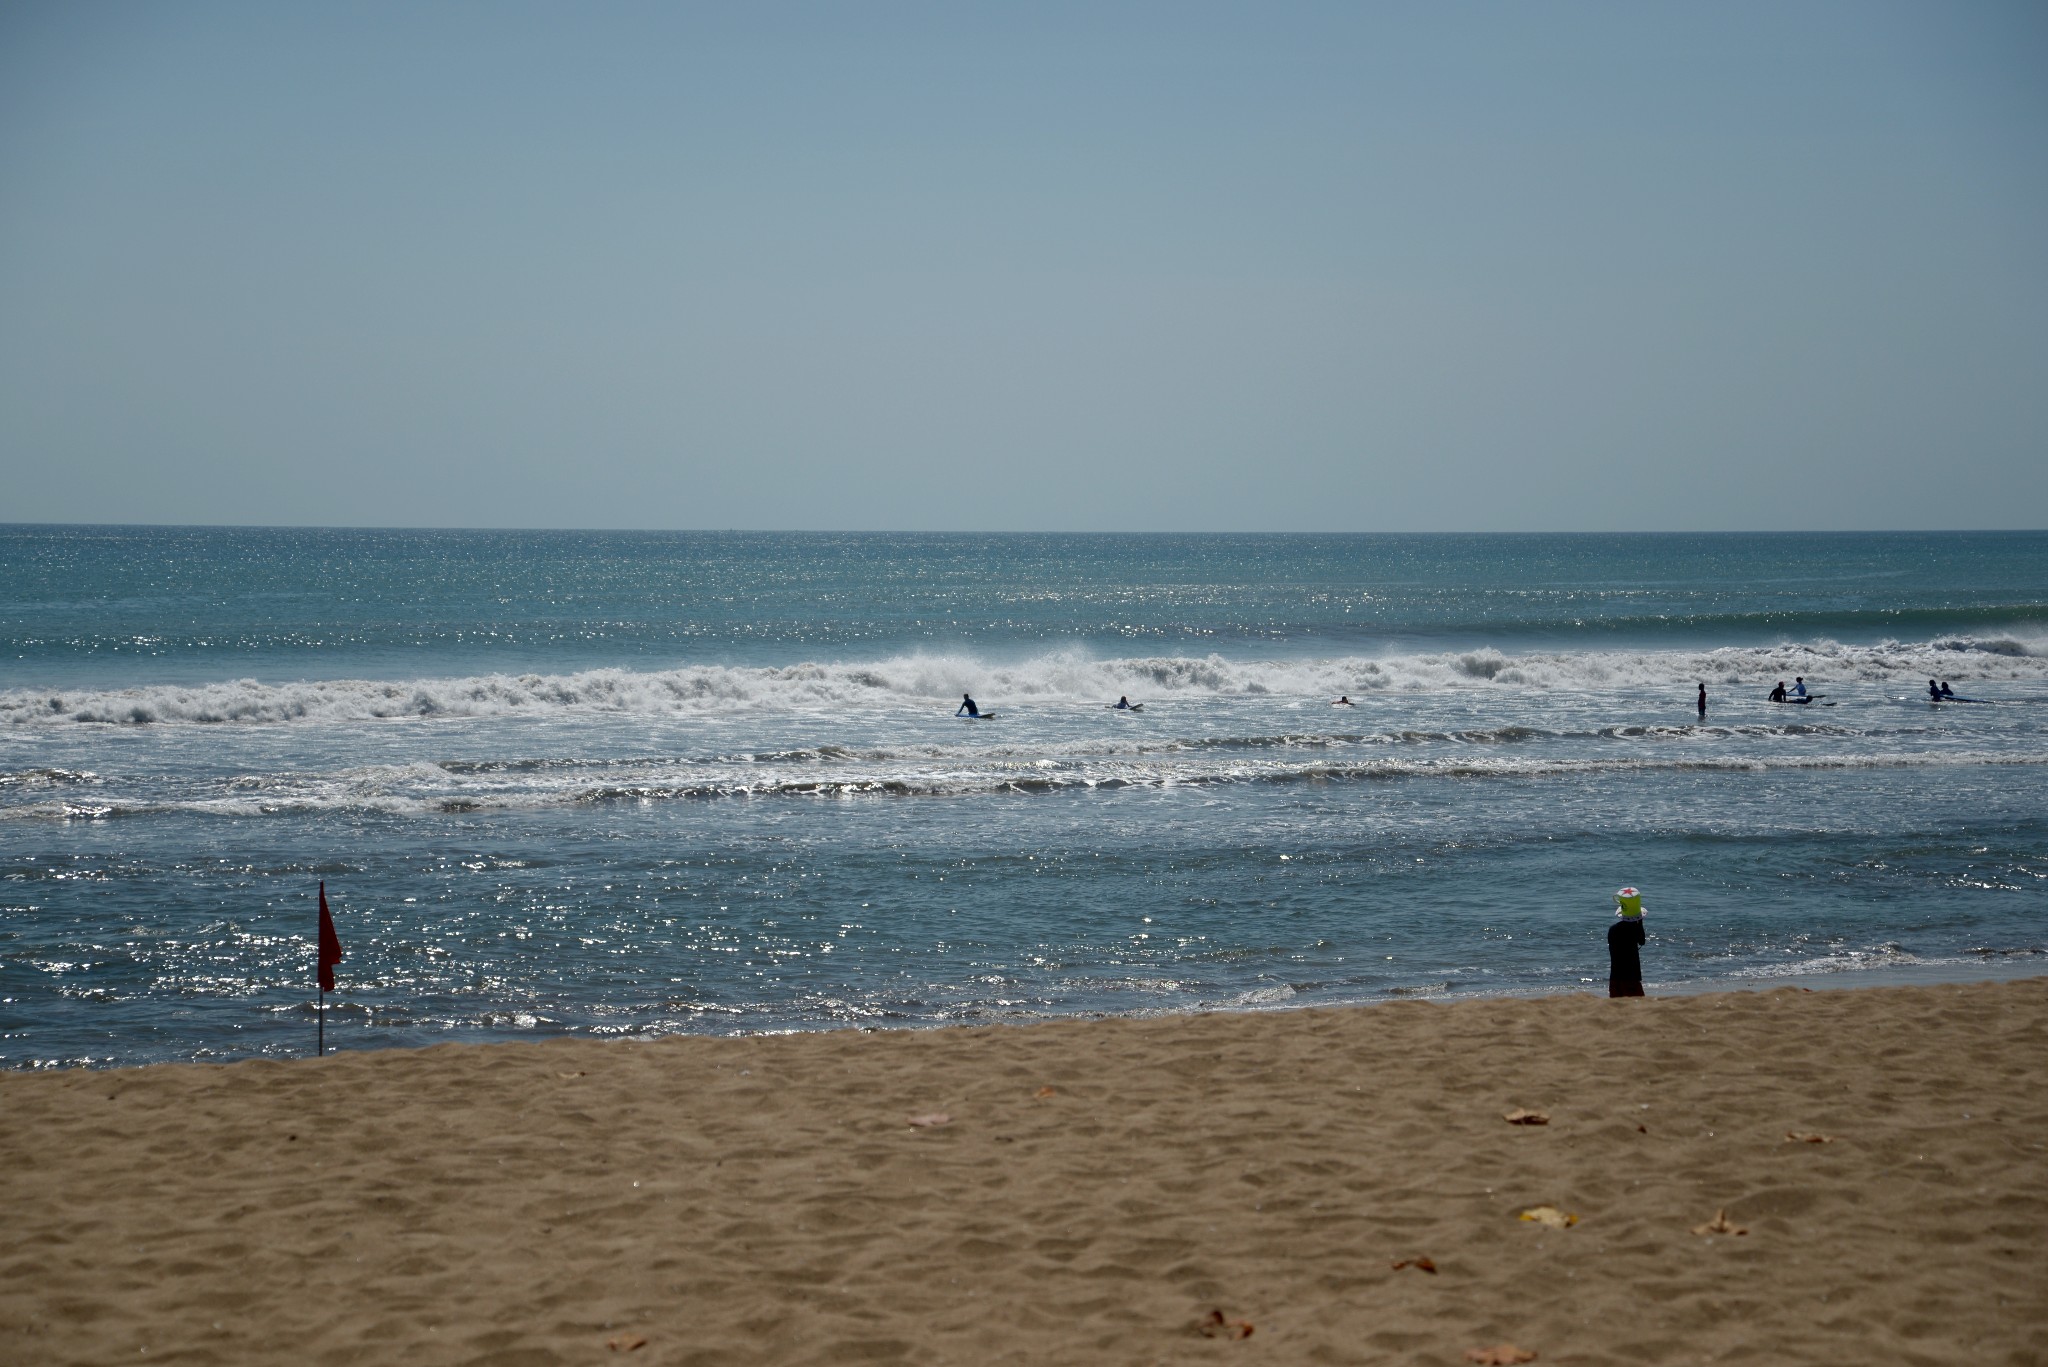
[1344, 701]
[1798, 686]
[1933, 690]
[1703, 700]
[967, 707]
[1946, 692]
[1778, 693]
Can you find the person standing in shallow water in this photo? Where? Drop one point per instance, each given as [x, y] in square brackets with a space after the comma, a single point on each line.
[1703, 700]
[1624, 938]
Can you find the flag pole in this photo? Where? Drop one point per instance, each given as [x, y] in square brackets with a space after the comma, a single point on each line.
[320, 954]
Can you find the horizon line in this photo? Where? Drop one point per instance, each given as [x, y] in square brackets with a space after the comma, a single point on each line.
[975, 531]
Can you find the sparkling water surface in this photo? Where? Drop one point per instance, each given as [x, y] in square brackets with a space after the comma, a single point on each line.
[620, 783]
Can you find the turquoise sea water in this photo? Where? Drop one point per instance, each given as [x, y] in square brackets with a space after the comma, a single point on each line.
[626, 783]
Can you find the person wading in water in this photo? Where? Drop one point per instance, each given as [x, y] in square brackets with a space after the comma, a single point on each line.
[1624, 938]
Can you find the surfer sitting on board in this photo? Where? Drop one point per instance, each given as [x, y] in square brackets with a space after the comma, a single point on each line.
[1123, 704]
[1778, 693]
[967, 707]
[1946, 692]
[1798, 685]
[1344, 701]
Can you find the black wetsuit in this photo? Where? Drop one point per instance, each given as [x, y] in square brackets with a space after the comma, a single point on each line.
[1625, 966]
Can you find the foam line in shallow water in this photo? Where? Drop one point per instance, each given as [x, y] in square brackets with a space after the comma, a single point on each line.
[429, 790]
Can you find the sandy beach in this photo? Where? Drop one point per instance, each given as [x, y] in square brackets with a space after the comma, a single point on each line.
[1084, 1192]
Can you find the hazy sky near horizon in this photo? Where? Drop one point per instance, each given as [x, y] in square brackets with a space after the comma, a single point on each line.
[1176, 266]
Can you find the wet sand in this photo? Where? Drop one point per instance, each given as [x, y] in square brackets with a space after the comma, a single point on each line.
[1098, 1189]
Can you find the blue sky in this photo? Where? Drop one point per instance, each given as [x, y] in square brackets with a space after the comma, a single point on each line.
[1400, 267]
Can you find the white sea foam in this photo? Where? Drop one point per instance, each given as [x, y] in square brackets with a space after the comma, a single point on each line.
[419, 789]
[1058, 677]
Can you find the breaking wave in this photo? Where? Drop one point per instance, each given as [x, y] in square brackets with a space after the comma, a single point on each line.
[1060, 677]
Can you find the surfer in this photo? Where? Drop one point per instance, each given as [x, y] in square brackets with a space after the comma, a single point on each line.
[967, 707]
[1123, 704]
[1344, 700]
[1624, 938]
[1799, 686]
[1703, 700]
[1778, 693]
[1946, 692]
[1933, 691]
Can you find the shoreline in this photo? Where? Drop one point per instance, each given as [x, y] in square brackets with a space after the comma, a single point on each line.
[1998, 968]
[1098, 1187]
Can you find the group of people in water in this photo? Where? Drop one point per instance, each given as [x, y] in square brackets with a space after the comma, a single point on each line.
[1795, 694]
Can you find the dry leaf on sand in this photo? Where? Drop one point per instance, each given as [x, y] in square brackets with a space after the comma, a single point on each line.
[1500, 1355]
[625, 1343]
[1047, 1091]
[1799, 1137]
[1419, 1264]
[931, 1120]
[574, 1074]
[1550, 1217]
[1214, 1326]
[1720, 1224]
[1518, 1116]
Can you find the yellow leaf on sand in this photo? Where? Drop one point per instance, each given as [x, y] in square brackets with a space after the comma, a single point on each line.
[1500, 1355]
[1518, 1116]
[1550, 1217]
[931, 1120]
[625, 1343]
[1720, 1224]
[1797, 1137]
[1047, 1091]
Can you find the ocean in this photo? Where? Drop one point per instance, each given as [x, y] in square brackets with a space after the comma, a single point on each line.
[624, 784]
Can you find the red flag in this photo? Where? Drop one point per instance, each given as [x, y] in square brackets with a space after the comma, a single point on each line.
[330, 944]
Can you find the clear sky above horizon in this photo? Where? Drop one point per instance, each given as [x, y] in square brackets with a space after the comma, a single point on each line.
[1316, 267]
